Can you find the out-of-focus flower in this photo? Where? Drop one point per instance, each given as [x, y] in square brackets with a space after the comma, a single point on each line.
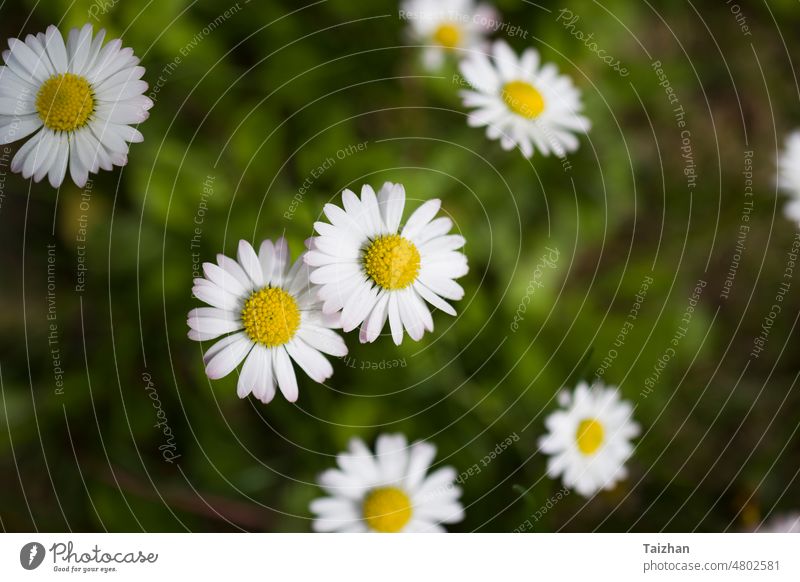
[446, 26]
[523, 103]
[388, 492]
[589, 440]
[789, 176]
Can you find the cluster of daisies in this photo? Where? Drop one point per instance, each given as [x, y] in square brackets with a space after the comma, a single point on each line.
[78, 102]
[588, 443]
[364, 268]
[523, 103]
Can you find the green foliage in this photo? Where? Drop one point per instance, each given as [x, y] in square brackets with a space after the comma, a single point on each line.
[254, 107]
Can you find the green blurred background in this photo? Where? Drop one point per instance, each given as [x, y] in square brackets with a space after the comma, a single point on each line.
[248, 108]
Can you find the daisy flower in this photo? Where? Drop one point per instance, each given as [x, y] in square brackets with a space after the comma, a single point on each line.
[447, 26]
[589, 440]
[371, 271]
[272, 316]
[522, 103]
[388, 492]
[789, 175]
[78, 99]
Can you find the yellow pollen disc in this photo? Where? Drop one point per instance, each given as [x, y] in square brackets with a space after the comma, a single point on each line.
[448, 35]
[387, 509]
[65, 102]
[589, 436]
[270, 316]
[523, 99]
[392, 261]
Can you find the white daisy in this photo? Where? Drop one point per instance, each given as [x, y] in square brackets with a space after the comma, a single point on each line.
[388, 492]
[589, 441]
[371, 273]
[447, 26]
[784, 523]
[522, 103]
[80, 98]
[272, 315]
[789, 175]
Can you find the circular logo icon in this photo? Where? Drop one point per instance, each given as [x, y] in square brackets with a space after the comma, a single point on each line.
[31, 555]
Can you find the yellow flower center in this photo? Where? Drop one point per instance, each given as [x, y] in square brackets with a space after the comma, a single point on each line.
[589, 436]
[65, 102]
[448, 35]
[387, 509]
[270, 316]
[523, 99]
[392, 261]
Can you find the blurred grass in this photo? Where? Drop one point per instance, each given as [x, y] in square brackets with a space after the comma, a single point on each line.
[261, 102]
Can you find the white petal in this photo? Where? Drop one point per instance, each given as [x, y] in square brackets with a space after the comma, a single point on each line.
[391, 455]
[283, 370]
[59, 168]
[433, 299]
[228, 358]
[421, 217]
[323, 339]
[420, 457]
[54, 43]
[372, 326]
[310, 360]
[412, 323]
[14, 128]
[392, 201]
[358, 306]
[395, 323]
[250, 263]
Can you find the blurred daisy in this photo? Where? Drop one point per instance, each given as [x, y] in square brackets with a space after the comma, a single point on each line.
[447, 26]
[80, 99]
[522, 103]
[371, 271]
[786, 523]
[388, 492]
[272, 315]
[589, 441]
[789, 175]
